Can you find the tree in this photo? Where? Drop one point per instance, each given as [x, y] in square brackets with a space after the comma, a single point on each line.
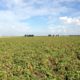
[25, 35]
[49, 35]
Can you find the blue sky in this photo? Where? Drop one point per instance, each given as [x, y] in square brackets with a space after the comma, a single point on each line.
[39, 17]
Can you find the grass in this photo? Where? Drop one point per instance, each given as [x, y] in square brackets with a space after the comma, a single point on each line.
[40, 58]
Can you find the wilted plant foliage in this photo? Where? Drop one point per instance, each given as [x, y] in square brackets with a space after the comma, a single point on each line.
[40, 58]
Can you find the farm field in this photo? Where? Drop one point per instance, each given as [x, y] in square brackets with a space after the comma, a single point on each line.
[40, 58]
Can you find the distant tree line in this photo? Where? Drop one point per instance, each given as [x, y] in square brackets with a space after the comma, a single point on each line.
[53, 35]
[61, 35]
[30, 35]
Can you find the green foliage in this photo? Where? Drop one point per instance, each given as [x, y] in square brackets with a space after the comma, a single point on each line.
[40, 58]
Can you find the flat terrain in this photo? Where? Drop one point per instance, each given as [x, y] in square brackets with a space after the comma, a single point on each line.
[40, 58]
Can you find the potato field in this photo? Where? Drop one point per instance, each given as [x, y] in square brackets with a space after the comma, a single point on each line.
[40, 58]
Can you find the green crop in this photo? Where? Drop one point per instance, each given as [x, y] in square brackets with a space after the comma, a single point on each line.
[40, 58]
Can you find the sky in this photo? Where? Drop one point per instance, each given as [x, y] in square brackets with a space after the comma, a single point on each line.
[39, 17]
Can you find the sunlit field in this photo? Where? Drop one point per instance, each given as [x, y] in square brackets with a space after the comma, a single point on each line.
[40, 58]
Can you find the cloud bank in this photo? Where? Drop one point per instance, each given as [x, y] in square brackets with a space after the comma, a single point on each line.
[17, 16]
[68, 20]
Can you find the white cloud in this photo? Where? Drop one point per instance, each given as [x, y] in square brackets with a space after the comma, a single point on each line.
[69, 20]
[64, 30]
[25, 9]
[10, 25]
[57, 29]
[65, 0]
